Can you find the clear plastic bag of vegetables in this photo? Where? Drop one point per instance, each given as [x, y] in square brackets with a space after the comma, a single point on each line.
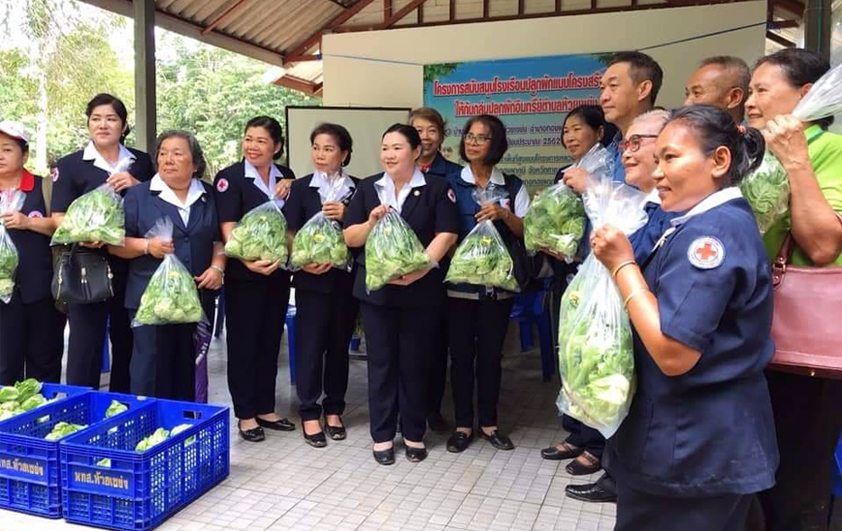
[260, 235]
[320, 240]
[482, 258]
[96, 216]
[767, 189]
[595, 357]
[392, 250]
[171, 297]
[556, 219]
[10, 201]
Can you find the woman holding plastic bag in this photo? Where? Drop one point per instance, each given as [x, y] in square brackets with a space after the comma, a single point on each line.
[326, 309]
[699, 437]
[481, 278]
[792, 94]
[176, 262]
[103, 161]
[31, 330]
[403, 224]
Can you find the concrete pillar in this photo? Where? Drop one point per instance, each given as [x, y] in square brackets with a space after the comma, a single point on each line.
[817, 22]
[144, 74]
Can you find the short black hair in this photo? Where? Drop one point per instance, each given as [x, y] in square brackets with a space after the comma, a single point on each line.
[499, 143]
[273, 127]
[594, 116]
[116, 104]
[734, 64]
[642, 68]
[800, 67]
[715, 127]
[195, 150]
[407, 131]
[339, 134]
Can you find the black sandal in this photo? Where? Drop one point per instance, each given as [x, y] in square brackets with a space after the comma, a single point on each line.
[336, 433]
[576, 468]
[554, 454]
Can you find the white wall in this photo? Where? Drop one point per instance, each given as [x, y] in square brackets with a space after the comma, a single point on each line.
[384, 68]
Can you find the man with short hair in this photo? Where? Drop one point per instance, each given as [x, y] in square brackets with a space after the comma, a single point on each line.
[721, 81]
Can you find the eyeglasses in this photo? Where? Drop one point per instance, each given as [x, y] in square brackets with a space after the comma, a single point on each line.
[633, 143]
[476, 139]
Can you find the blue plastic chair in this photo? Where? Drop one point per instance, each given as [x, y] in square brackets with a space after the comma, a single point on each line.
[531, 311]
[106, 358]
[837, 471]
[290, 323]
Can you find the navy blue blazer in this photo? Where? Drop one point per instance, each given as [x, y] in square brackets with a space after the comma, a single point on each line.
[193, 242]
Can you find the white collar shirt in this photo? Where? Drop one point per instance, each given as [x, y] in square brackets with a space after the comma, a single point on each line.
[386, 189]
[167, 194]
[274, 176]
[124, 159]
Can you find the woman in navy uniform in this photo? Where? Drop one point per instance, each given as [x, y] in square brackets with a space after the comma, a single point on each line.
[399, 317]
[699, 439]
[31, 329]
[105, 160]
[256, 293]
[431, 128]
[478, 316]
[163, 362]
[326, 310]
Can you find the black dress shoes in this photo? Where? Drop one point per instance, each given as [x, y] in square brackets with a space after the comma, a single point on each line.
[576, 468]
[554, 454]
[415, 455]
[498, 440]
[253, 435]
[458, 442]
[591, 492]
[277, 425]
[336, 433]
[317, 440]
[384, 457]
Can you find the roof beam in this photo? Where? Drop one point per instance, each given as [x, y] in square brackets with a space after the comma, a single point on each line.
[404, 11]
[452, 11]
[793, 6]
[774, 37]
[188, 29]
[225, 14]
[296, 83]
[316, 37]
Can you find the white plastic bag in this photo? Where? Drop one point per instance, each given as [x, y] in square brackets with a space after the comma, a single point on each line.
[482, 258]
[767, 188]
[596, 355]
[171, 297]
[320, 240]
[96, 216]
[11, 201]
[260, 235]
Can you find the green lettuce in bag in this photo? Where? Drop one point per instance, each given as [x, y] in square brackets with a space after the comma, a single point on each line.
[320, 240]
[11, 201]
[171, 297]
[96, 216]
[260, 235]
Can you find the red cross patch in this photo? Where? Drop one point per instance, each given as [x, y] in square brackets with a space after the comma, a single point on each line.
[36, 214]
[706, 252]
[451, 195]
[54, 174]
[222, 185]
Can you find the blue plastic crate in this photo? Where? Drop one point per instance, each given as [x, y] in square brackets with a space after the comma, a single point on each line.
[139, 490]
[29, 466]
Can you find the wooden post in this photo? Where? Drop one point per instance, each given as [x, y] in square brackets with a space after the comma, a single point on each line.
[144, 74]
[817, 14]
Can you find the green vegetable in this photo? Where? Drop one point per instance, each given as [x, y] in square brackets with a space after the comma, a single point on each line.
[9, 394]
[9, 202]
[104, 462]
[391, 251]
[97, 216]
[555, 221]
[320, 241]
[62, 430]
[170, 297]
[767, 192]
[115, 408]
[260, 235]
[27, 388]
[34, 401]
[483, 260]
[180, 428]
[158, 437]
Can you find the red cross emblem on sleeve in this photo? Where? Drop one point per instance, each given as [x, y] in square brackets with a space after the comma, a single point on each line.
[706, 253]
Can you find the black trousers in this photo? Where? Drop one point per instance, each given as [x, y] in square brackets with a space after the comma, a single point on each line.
[255, 313]
[583, 436]
[808, 420]
[399, 346]
[438, 367]
[164, 358]
[87, 336]
[324, 324]
[477, 331]
[31, 341]
[640, 511]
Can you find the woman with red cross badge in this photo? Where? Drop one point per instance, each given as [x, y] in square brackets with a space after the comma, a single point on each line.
[699, 439]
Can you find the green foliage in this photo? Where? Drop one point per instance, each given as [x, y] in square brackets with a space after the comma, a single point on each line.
[431, 72]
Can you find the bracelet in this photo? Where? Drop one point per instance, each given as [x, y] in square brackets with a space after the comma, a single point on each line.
[221, 271]
[621, 266]
[632, 295]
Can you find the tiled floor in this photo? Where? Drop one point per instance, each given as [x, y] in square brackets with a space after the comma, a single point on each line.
[283, 484]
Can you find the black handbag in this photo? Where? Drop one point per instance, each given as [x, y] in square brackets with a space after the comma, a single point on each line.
[82, 276]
